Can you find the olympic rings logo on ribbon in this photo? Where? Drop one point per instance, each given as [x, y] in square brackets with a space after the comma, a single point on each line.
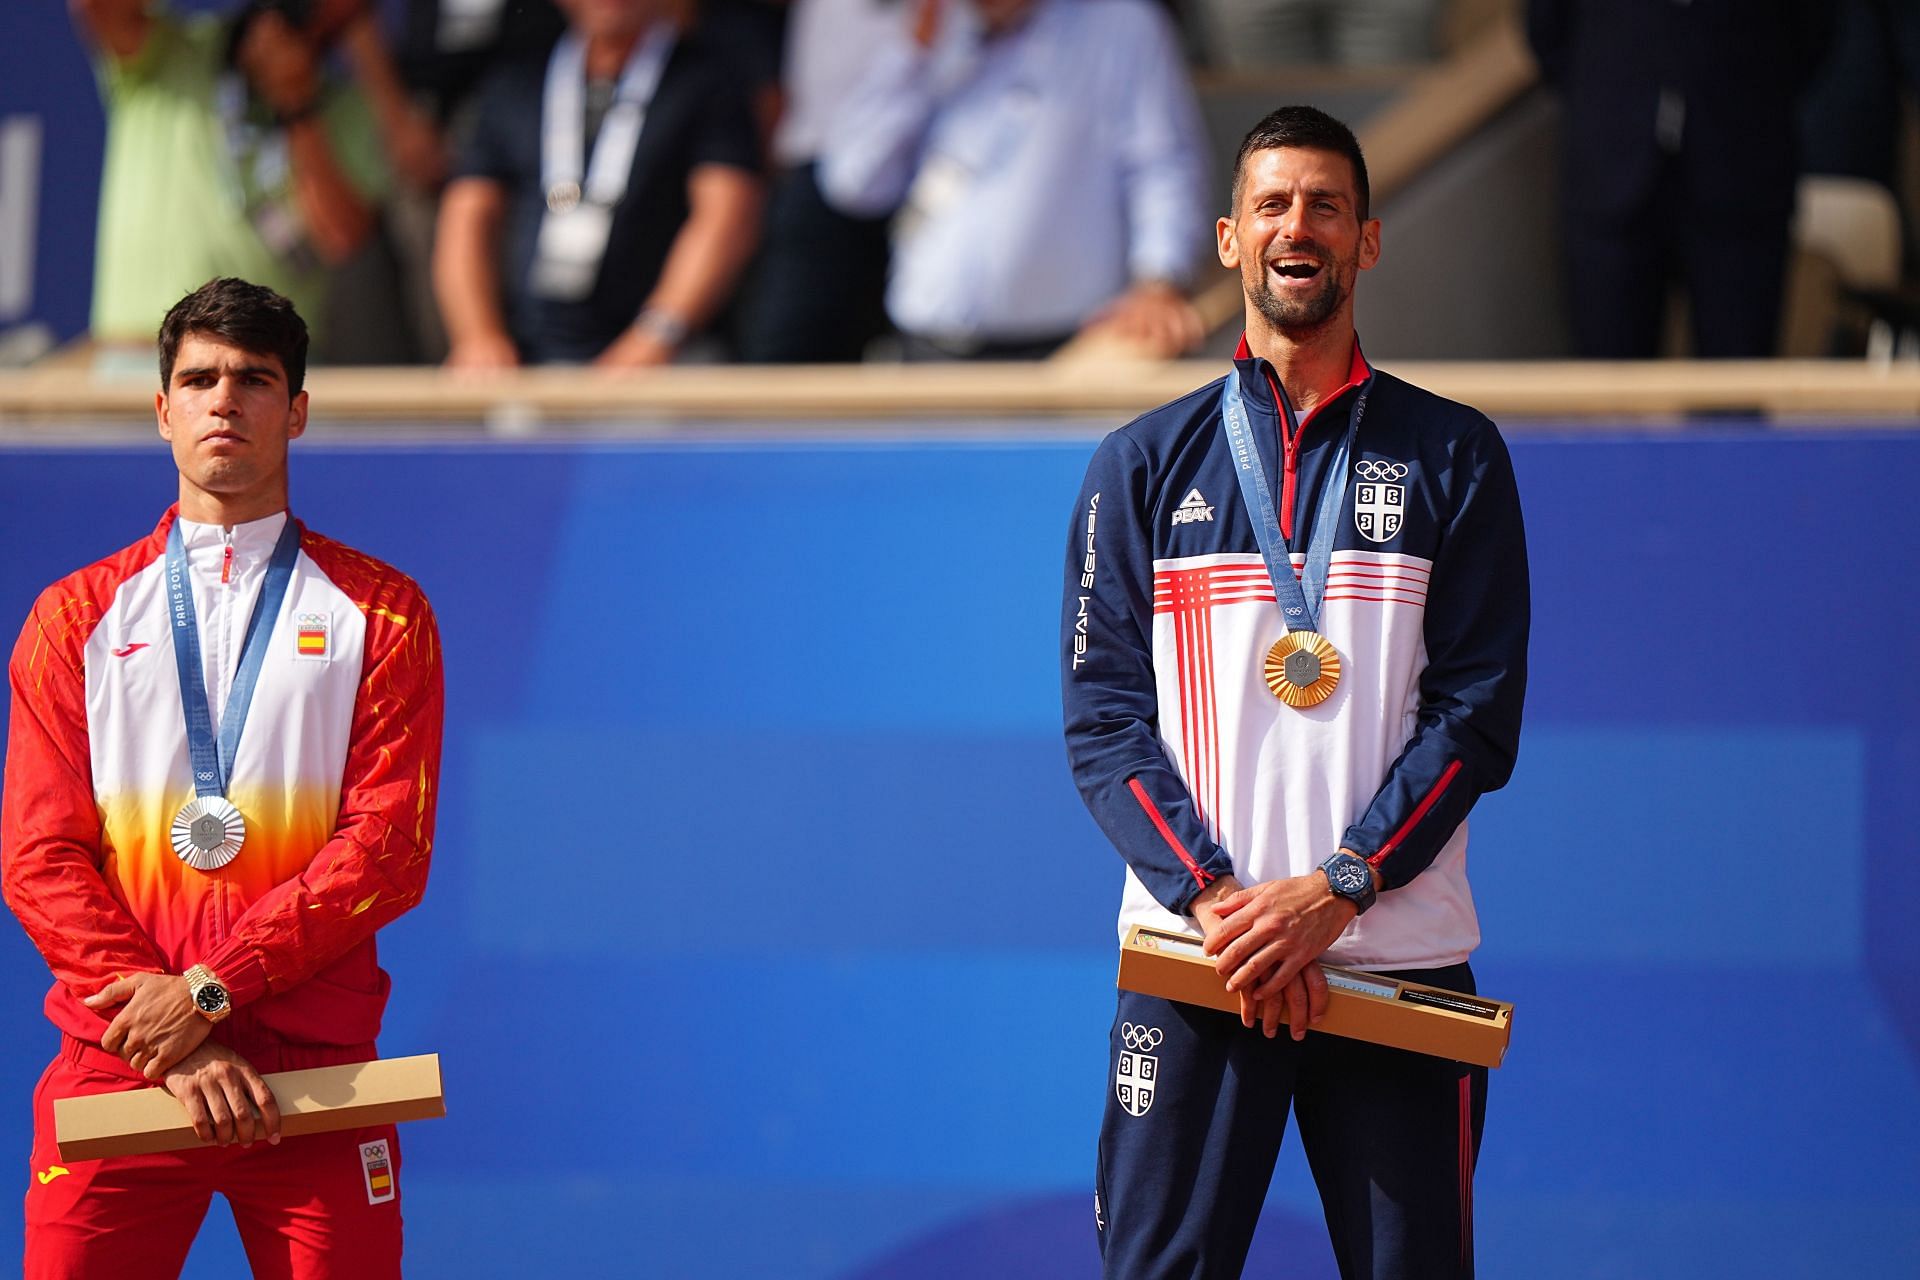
[1140, 1038]
[1373, 469]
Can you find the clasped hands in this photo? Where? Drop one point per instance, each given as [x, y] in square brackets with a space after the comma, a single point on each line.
[1265, 938]
[164, 1037]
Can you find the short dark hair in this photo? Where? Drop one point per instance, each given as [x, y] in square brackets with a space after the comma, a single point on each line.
[249, 316]
[1301, 126]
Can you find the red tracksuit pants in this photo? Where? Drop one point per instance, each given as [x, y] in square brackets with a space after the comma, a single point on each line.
[320, 1206]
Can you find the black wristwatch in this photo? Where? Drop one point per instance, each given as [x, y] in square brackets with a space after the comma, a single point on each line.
[1352, 879]
[209, 993]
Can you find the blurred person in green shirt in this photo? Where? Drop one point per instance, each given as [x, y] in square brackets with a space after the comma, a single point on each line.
[231, 151]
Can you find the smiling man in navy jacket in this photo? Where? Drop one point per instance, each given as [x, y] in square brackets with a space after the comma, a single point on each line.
[1294, 654]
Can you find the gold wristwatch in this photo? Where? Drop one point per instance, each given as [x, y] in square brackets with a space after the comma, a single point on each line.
[209, 993]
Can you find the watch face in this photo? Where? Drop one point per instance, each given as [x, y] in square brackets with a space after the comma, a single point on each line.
[1349, 876]
[211, 998]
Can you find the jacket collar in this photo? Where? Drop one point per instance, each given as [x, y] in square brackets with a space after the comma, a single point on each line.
[1258, 379]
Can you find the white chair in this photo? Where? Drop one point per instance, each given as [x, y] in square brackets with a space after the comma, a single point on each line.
[1854, 225]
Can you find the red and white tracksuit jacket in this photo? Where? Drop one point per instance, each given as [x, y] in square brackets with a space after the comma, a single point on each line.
[336, 774]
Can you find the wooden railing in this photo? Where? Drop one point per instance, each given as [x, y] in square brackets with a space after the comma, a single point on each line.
[37, 402]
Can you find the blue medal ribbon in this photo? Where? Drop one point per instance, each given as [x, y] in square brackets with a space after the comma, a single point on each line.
[1300, 597]
[213, 761]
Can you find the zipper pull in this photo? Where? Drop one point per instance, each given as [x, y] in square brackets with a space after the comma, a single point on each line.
[226, 559]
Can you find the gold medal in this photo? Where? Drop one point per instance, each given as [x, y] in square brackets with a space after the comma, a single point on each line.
[1302, 669]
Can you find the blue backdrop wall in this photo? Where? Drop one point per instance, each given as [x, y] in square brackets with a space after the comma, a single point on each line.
[814, 983]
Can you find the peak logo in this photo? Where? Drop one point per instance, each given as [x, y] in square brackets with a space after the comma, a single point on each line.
[1192, 509]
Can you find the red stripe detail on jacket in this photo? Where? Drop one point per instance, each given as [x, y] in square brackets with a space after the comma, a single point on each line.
[1419, 812]
[1375, 598]
[1200, 876]
[1337, 571]
[1189, 595]
[1163, 604]
[1192, 589]
[1213, 718]
[1189, 697]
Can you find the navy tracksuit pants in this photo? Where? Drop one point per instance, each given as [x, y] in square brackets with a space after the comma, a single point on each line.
[1197, 1104]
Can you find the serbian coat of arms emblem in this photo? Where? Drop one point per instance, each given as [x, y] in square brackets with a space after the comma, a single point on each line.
[1137, 1077]
[1379, 504]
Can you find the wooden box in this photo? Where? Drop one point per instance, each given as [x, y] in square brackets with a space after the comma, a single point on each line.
[318, 1100]
[1363, 1006]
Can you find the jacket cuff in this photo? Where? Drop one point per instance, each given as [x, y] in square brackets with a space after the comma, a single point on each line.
[1367, 848]
[1217, 864]
[240, 970]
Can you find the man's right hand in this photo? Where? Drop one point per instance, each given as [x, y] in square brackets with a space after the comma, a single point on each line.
[1202, 910]
[222, 1092]
[926, 23]
[1298, 1004]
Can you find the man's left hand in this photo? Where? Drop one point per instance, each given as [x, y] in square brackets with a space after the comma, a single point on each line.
[1153, 319]
[1268, 935]
[159, 1025]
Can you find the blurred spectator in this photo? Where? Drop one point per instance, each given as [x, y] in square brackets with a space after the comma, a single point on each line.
[1850, 120]
[1252, 34]
[621, 172]
[1046, 156]
[445, 48]
[1679, 162]
[384, 308]
[818, 290]
[749, 36]
[230, 152]
[380, 305]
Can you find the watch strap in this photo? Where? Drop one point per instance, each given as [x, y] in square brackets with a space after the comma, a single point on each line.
[662, 326]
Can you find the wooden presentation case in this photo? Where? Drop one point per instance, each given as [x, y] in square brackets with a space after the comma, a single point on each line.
[1362, 1006]
[317, 1100]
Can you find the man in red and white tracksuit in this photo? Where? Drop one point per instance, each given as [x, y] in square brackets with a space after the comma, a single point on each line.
[206, 894]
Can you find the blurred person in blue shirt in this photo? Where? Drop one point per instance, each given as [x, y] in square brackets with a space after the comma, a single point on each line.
[1045, 159]
[818, 291]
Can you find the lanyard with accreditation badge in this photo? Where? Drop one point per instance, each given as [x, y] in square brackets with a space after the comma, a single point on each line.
[208, 831]
[581, 196]
[1302, 668]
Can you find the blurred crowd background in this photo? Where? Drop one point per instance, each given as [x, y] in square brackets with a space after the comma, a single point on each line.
[491, 183]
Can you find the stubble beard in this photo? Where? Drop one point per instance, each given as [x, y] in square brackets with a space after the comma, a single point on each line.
[228, 475]
[1298, 316]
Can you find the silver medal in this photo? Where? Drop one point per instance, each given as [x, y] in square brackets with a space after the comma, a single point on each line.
[208, 832]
